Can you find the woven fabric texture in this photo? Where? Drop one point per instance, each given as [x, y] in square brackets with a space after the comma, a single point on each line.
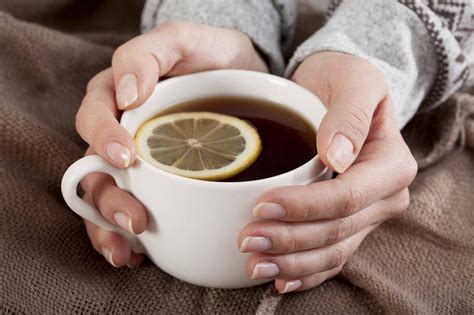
[419, 263]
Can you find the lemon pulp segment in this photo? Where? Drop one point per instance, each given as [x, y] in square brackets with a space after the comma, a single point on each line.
[200, 145]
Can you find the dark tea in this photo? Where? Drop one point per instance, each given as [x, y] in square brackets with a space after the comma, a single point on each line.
[288, 140]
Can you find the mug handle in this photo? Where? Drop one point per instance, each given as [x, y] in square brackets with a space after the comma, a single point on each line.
[71, 178]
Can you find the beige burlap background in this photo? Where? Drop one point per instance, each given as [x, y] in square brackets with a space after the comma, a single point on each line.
[420, 263]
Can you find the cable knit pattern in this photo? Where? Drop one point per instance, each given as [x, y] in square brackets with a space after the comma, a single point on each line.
[450, 24]
[424, 48]
[447, 25]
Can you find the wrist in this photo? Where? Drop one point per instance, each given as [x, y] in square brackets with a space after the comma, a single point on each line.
[340, 69]
[406, 58]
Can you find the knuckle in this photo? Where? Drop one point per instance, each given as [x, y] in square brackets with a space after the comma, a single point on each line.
[303, 213]
[400, 204]
[308, 206]
[276, 195]
[90, 85]
[120, 54]
[393, 209]
[283, 197]
[99, 137]
[339, 230]
[79, 121]
[97, 236]
[352, 199]
[406, 164]
[291, 266]
[405, 199]
[91, 181]
[298, 201]
[107, 197]
[288, 239]
[357, 121]
[411, 169]
[94, 81]
[337, 257]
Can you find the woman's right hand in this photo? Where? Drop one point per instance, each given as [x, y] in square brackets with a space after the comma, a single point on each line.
[173, 48]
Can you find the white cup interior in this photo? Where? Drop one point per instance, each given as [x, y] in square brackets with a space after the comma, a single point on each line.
[226, 83]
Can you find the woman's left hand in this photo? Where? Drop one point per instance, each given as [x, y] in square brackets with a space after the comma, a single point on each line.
[308, 232]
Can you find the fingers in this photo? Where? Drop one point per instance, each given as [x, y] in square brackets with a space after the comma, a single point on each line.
[119, 208]
[138, 64]
[303, 264]
[380, 171]
[305, 283]
[351, 100]
[97, 124]
[115, 249]
[175, 48]
[116, 205]
[279, 237]
[135, 260]
[346, 125]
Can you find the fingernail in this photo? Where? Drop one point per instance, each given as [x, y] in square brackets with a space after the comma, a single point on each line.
[340, 153]
[118, 153]
[267, 210]
[107, 253]
[292, 286]
[265, 271]
[124, 221]
[255, 244]
[127, 91]
[132, 266]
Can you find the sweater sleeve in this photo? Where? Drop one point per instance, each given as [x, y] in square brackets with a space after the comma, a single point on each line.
[269, 23]
[424, 48]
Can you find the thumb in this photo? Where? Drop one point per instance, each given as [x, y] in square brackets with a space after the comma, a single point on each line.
[138, 64]
[175, 48]
[351, 88]
[347, 123]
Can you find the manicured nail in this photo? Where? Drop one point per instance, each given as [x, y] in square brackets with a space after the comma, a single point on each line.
[255, 244]
[132, 266]
[124, 221]
[267, 210]
[127, 91]
[340, 153]
[265, 271]
[118, 153]
[107, 253]
[292, 286]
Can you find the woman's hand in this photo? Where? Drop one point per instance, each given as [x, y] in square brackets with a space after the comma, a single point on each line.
[173, 48]
[308, 232]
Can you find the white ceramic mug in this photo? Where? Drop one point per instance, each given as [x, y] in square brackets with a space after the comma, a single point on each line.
[193, 224]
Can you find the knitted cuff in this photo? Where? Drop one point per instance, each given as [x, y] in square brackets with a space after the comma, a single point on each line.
[268, 23]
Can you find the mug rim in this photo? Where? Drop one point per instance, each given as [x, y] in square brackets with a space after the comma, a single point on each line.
[313, 161]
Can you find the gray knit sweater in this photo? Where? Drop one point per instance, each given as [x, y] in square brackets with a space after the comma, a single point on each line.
[425, 48]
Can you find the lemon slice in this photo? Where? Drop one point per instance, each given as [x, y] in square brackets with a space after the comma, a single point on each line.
[199, 145]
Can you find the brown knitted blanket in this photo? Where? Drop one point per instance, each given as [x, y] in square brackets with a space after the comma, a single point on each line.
[422, 262]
